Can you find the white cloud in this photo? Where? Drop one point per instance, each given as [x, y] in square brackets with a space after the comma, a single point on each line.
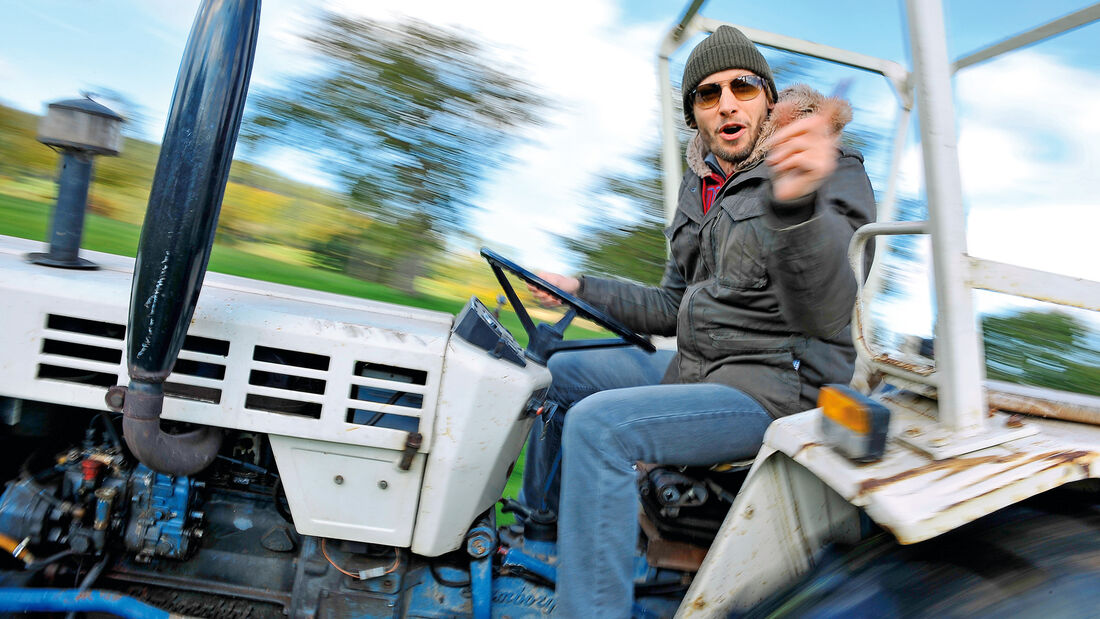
[1060, 238]
[1029, 131]
[1027, 143]
[1028, 154]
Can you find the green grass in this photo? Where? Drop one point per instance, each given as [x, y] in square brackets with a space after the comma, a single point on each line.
[511, 488]
[240, 262]
[29, 219]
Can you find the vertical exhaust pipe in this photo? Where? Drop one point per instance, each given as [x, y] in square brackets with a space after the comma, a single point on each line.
[178, 232]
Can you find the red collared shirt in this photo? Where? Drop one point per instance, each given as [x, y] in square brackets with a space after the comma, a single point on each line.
[711, 185]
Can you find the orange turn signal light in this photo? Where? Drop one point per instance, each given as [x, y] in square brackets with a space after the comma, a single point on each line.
[853, 424]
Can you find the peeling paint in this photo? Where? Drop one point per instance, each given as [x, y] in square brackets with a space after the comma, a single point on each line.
[953, 466]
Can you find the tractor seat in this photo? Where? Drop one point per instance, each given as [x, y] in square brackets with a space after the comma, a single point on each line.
[683, 507]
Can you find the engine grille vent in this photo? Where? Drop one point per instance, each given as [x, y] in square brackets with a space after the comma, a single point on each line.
[389, 396]
[86, 352]
[206, 369]
[90, 352]
[288, 382]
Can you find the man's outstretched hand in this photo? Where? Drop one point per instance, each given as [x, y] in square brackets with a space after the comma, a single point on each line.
[803, 152]
[567, 284]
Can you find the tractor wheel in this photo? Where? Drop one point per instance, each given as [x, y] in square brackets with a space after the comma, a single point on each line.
[1039, 558]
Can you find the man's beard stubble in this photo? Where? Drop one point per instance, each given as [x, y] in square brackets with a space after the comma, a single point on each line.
[736, 158]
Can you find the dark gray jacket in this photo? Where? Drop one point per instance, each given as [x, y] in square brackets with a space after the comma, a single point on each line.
[758, 293]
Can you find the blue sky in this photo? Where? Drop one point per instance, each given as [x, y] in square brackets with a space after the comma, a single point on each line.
[1027, 138]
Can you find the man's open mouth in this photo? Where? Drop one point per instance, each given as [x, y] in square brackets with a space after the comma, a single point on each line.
[731, 131]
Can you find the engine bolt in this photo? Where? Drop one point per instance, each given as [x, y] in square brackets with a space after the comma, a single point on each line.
[339, 479]
[383, 484]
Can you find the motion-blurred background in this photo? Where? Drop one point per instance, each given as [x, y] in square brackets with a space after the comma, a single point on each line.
[384, 142]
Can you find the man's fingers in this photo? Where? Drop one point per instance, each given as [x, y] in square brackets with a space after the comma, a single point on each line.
[803, 154]
[818, 124]
[798, 161]
[785, 150]
[543, 297]
[568, 285]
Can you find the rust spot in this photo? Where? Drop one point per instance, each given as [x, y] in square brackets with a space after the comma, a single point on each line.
[804, 448]
[916, 368]
[1059, 459]
[1015, 421]
[111, 596]
[699, 604]
[675, 555]
[951, 466]
[1081, 458]
[1043, 407]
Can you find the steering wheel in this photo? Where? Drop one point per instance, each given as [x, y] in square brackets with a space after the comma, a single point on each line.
[544, 340]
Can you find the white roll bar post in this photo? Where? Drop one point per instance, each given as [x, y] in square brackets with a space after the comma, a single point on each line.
[959, 356]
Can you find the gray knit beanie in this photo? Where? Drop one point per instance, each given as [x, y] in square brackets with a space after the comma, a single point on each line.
[727, 48]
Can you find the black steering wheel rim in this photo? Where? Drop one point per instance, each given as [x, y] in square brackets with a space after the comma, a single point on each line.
[582, 308]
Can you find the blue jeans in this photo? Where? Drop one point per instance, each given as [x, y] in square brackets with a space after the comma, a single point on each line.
[577, 375]
[602, 437]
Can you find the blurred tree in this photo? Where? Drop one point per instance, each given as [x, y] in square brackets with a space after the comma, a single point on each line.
[134, 118]
[23, 154]
[408, 119]
[1045, 349]
[632, 248]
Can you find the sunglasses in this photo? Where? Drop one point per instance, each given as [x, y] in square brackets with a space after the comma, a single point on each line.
[745, 88]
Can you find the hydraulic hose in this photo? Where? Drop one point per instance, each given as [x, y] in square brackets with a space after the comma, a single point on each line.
[16, 549]
[61, 600]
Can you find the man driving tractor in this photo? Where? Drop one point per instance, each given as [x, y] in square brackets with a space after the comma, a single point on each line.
[757, 290]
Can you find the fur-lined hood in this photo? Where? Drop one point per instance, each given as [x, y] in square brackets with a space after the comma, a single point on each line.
[795, 102]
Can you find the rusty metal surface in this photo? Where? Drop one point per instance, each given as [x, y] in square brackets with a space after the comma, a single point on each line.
[665, 553]
[917, 497]
[924, 432]
[1043, 402]
[913, 366]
